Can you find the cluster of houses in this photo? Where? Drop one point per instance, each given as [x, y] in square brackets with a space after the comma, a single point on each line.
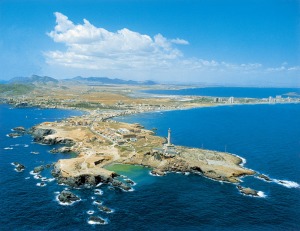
[122, 135]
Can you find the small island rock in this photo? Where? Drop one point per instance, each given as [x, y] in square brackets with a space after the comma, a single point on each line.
[104, 209]
[19, 129]
[96, 220]
[248, 191]
[20, 168]
[67, 197]
[38, 169]
[14, 135]
[266, 178]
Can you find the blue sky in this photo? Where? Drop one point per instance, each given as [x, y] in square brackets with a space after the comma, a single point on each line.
[233, 42]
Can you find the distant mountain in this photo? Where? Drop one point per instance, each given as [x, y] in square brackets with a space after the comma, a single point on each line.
[34, 79]
[105, 80]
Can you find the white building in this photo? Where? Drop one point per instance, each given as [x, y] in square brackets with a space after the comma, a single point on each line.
[231, 100]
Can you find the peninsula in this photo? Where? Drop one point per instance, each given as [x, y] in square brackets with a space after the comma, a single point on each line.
[100, 141]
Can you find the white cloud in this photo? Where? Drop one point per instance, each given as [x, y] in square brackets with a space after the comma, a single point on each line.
[179, 41]
[93, 48]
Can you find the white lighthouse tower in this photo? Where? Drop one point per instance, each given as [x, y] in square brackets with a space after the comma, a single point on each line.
[169, 149]
[169, 137]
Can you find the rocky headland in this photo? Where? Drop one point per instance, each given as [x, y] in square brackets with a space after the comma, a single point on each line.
[100, 143]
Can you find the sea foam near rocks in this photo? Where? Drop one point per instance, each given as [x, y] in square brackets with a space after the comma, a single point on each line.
[261, 194]
[287, 183]
[98, 192]
[98, 185]
[33, 173]
[37, 177]
[98, 223]
[97, 202]
[41, 184]
[65, 204]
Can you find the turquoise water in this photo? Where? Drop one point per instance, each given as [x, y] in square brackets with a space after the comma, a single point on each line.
[268, 136]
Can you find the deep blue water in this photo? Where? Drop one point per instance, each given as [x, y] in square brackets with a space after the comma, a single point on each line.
[250, 92]
[268, 136]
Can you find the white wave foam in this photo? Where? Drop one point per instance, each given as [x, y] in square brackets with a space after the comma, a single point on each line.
[93, 198]
[90, 212]
[41, 184]
[97, 202]
[244, 161]
[26, 146]
[8, 148]
[150, 173]
[19, 170]
[32, 173]
[50, 179]
[27, 178]
[35, 153]
[134, 184]
[99, 184]
[98, 192]
[130, 190]
[98, 223]
[287, 183]
[131, 183]
[37, 177]
[65, 204]
[261, 194]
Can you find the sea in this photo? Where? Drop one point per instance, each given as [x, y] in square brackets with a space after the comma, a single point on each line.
[245, 92]
[266, 136]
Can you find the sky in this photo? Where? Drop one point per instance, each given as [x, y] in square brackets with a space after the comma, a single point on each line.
[224, 42]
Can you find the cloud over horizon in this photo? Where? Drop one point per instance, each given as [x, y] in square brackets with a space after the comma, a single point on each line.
[125, 51]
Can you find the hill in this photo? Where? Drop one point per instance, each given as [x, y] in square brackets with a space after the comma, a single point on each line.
[16, 89]
[34, 79]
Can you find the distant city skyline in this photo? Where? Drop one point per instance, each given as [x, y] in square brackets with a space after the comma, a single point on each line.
[249, 43]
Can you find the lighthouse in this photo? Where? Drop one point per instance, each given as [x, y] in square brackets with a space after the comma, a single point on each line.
[169, 137]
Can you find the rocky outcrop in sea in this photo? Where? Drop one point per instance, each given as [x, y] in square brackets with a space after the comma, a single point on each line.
[67, 197]
[19, 167]
[247, 191]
